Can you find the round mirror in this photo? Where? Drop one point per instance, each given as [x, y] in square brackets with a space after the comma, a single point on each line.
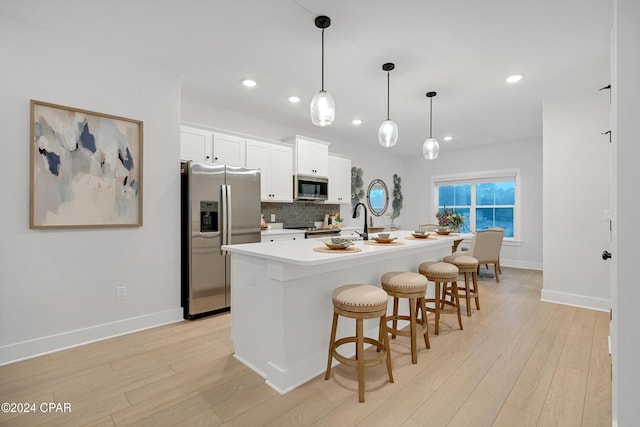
[377, 197]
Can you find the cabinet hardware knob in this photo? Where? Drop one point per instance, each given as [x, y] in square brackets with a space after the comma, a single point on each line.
[606, 255]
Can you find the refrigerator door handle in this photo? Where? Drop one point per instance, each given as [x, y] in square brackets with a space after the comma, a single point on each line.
[229, 216]
[225, 217]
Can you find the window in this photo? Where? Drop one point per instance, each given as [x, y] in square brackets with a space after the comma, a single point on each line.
[484, 199]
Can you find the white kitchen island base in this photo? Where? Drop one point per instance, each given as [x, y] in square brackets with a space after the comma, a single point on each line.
[281, 305]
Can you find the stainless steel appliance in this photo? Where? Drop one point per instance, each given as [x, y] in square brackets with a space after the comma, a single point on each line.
[220, 205]
[310, 188]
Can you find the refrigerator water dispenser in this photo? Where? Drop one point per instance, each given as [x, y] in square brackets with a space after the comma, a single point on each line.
[208, 216]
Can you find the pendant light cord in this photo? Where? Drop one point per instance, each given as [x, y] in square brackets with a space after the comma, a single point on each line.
[322, 85]
[388, 79]
[431, 117]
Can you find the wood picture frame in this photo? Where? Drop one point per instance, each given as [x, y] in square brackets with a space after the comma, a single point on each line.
[85, 168]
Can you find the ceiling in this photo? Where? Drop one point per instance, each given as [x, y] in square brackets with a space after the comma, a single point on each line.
[462, 49]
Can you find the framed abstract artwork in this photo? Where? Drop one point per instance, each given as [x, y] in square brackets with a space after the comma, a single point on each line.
[86, 168]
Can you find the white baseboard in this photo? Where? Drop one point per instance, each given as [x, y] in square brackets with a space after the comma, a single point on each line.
[36, 347]
[516, 263]
[575, 300]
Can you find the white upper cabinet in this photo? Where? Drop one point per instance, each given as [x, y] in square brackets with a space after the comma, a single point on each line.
[228, 150]
[311, 157]
[275, 162]
[207, 146]
[195, 144]
[339, 180]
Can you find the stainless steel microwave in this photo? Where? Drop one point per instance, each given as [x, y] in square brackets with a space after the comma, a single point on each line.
[310, 188]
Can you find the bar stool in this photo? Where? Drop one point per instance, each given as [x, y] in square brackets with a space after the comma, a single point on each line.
[360, 302]
[405, 284]
[445, 277]
[467, 265]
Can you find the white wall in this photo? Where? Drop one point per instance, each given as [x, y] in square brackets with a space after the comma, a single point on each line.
[57, 287]
[375, 161]
[526, 155]
[626, 291]
[576, 194]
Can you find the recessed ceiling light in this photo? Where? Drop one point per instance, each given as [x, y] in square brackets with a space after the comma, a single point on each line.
[294, 99]
[249, 83]
[514, 79]
[356, 122]
[448, 138]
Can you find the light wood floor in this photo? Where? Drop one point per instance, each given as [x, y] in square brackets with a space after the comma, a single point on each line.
[518, 362]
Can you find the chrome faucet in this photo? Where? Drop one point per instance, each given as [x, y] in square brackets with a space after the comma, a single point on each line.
[365, 233]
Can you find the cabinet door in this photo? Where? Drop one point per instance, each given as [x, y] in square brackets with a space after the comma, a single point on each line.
[312, 158]
[344, 180]
[339, 180]
[258, 158]
[282, 237]
[228, 150]
[281, 173]
[195, 144]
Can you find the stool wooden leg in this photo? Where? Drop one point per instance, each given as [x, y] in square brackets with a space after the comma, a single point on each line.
[385, 341]
[360, 357]
[456, 298]
[332, 344]
[423, 307]
[395, 316]
[474, 279]
[467, 293]
[412, 328]
[437, 305]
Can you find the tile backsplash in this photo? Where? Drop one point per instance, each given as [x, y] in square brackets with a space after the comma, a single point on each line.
[298, 213]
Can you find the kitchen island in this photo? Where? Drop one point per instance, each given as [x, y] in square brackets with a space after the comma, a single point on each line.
[281, 306]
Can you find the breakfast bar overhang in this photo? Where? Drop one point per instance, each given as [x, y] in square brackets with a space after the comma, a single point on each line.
[281, 305]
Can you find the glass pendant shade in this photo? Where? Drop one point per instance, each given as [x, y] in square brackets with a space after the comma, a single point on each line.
[323, 109]
[388, 133]
[431, 149]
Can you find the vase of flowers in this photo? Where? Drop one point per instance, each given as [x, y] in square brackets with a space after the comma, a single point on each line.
[448, 219]
[393, 215]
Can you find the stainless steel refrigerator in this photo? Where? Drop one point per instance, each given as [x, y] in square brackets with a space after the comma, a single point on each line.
[220, 206]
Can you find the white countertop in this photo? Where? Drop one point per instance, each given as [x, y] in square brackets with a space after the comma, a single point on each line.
[301, 252]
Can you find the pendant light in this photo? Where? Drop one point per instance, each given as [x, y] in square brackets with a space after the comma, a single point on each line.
[431, 148]
[323, 109]
[388, 131]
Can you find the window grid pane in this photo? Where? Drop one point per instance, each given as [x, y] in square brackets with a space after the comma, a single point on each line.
[482, 205]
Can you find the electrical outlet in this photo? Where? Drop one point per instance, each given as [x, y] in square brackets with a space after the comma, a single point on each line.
[273, 217]
[121, 293]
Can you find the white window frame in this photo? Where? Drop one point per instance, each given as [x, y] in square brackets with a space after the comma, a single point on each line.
[478, 178]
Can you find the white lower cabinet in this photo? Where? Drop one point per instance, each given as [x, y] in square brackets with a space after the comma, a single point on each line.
[339, 180]
[275, 162]
[282, 237]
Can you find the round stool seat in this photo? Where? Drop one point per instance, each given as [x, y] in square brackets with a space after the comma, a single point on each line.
[438, 270]
[360, 298]
[463, 262]
[404, 281]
